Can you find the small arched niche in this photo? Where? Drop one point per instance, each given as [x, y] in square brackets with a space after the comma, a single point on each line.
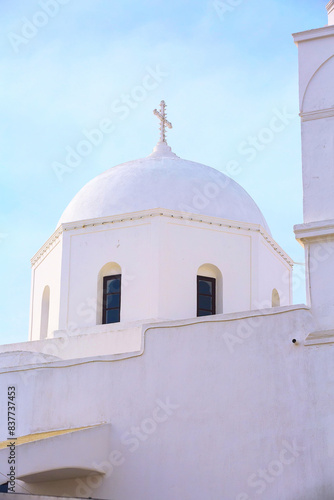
[319, 91]
[212, 271]
[109, 269]
[275, 298]
[45, 312]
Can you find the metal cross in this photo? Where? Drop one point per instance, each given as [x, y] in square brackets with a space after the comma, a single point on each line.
[164, 122]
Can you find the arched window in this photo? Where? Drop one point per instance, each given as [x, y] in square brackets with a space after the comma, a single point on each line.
[111, 299]
[275, 298]
[45, 312]
[109, 291]
[206, 296]
[209, 290]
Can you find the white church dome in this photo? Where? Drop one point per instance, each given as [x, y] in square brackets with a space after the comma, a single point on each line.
[163, 180]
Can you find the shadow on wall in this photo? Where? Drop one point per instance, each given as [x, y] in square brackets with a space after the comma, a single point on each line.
[275, 299]
[45, 312]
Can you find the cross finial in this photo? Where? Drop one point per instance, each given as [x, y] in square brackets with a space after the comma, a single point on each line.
[163, 121]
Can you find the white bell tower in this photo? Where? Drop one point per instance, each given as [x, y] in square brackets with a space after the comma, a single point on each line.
[316, 98]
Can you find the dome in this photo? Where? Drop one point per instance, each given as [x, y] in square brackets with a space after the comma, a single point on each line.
[163, 180]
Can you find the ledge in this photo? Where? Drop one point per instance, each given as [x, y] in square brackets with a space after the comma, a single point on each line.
[320, 338]
[314, 230]
[159, 212]
[304, 36]
[330, 6]
[224, 318]
[109, 328]
[56, 455]
[111, 358]
[316, 115]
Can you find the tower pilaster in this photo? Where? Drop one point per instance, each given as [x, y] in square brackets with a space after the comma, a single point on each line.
[316, 234]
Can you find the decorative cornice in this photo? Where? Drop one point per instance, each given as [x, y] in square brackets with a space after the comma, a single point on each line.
[319, 338]
[316, 115]
[330, 6]
[159, 212]
[48, 246]
[304, 36]
[314, 230]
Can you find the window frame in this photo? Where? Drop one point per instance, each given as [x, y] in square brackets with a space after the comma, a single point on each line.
[105, 295]
[214, 294]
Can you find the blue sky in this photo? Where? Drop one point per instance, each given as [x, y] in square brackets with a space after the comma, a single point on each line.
[225, 71]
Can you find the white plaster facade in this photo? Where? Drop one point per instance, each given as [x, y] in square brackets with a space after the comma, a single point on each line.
[140, 220]
[233, 406]
[239, 391]
[316, 76]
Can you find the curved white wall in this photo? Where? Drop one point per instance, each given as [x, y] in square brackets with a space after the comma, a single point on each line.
[234, 403]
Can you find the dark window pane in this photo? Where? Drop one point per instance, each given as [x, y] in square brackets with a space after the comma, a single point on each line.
[112, 316]
[205, 287]
[204, 313]
[113, 301]
[205, 302]
[113, 285]
[206, 296]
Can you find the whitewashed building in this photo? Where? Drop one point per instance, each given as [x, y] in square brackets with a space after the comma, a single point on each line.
[166, 358]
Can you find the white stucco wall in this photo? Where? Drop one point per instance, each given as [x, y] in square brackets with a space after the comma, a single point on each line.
[315, 47]
[46, 272]
[320, 262]
[18, 496]
[129, 246]
[159, 257]
[316, 75]
[159, 260]
[318, 168]
[279, 277]
[96, 341]
[185, 247]
[240, 392]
